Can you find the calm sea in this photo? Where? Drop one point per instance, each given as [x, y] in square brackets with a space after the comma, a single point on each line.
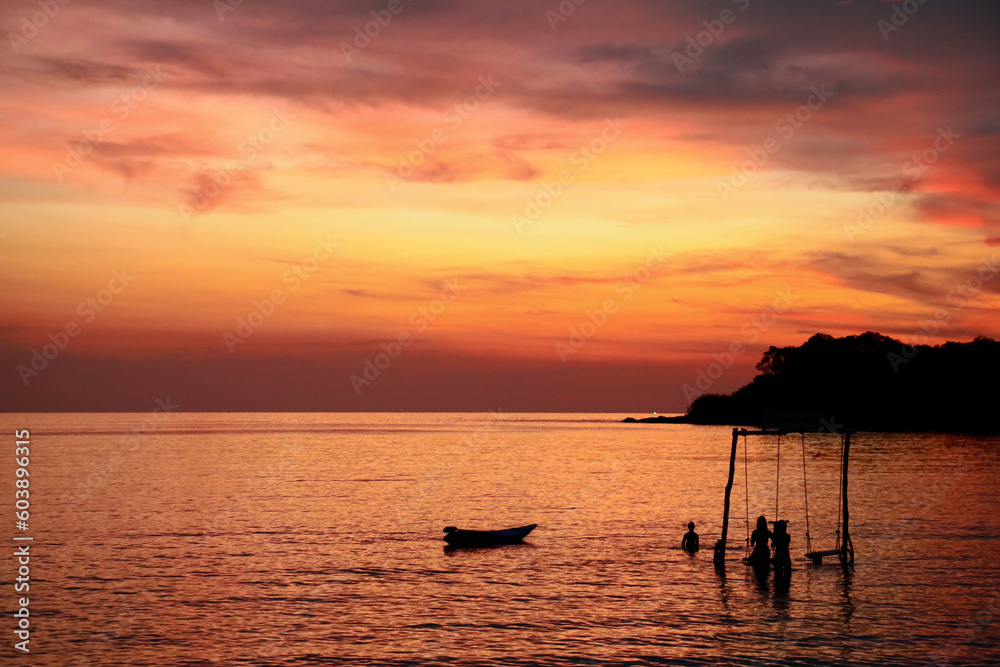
[315, 539]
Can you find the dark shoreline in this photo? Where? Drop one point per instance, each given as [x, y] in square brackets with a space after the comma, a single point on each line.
[686, 419]
[868, 382]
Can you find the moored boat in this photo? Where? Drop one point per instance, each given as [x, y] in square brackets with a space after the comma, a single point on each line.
[486, 538]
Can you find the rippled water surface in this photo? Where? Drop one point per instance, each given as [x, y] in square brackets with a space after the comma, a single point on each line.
[311, 539]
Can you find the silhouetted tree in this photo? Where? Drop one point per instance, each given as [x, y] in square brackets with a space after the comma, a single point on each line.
[870, 382]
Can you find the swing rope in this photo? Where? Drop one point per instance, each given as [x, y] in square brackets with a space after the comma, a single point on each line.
[805, 489]
[746, 487]
[777, 480]
[840, 491]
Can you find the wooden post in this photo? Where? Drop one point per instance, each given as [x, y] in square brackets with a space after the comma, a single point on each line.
[720, 546]
[846, 547]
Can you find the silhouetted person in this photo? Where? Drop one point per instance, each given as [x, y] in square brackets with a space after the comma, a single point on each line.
[782, 557]
[690, 540]
[760, 557]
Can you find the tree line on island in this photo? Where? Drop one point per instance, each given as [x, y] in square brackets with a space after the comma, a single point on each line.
[868, 382]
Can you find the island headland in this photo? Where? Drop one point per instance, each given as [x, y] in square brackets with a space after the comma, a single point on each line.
[867, 382]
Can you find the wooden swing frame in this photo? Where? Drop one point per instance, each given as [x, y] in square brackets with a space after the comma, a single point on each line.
[845, 548]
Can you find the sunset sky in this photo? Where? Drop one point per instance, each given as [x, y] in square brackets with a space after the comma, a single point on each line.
[482, 205]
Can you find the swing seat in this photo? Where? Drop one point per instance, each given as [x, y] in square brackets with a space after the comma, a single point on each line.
[817, 556]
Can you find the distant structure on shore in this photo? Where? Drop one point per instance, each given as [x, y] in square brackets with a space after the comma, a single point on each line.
[871, 382]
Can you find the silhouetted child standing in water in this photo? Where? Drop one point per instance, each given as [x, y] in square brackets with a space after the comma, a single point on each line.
[761, 556]
[782, 556]
[690, 541]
